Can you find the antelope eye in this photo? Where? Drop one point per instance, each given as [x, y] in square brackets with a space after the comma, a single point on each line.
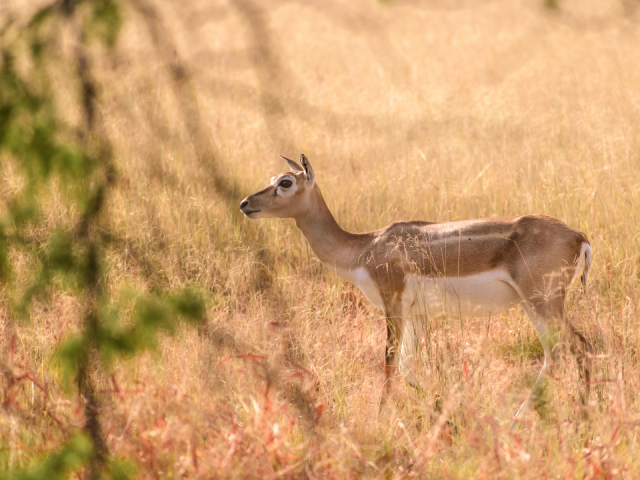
[285, 183]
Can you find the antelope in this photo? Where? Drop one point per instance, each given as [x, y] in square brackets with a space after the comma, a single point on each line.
[471, 268]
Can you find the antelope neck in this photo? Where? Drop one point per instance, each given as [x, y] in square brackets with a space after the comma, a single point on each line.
[335, 247]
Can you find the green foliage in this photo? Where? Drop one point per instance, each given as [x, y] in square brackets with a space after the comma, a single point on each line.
[29, 125]
[5, 267]
[105, 22]
[121, 470]
[71, 353]
[189, 305]
[152, 315]
[75, 161]
[55, 466]
[71, 457]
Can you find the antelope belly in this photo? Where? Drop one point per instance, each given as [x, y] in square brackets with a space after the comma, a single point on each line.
[479, 295]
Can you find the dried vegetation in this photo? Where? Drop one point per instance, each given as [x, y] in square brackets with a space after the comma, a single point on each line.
[408, 110]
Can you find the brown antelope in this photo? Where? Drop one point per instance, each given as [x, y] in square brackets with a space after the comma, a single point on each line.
[472, 268]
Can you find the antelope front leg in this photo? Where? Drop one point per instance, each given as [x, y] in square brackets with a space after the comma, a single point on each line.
[393, 314]
[412, 328]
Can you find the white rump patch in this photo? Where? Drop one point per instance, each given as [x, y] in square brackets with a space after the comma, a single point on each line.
[585, 254]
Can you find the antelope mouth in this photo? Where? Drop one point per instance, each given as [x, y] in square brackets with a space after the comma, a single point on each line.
[245, 208]
[248, 211]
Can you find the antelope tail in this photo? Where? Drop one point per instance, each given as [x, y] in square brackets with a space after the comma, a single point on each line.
[585, 253]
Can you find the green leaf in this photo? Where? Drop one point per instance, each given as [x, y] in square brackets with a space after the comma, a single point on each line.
[189, 305]
[5, 267]
[122, 470]
[60, 253]
[105, 21]
[55, 466]
[71, 354]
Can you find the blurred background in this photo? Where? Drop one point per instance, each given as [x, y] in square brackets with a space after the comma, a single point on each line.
[160, 117]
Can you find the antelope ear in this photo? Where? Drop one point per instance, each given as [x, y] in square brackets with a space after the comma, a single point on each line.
[308, 171]
[294, 166]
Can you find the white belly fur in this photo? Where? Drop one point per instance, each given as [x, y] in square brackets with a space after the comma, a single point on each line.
[479, 295]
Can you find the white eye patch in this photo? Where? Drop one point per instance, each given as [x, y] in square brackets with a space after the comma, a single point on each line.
[282, 190]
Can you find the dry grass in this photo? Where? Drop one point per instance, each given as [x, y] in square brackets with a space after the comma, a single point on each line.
[445, 111]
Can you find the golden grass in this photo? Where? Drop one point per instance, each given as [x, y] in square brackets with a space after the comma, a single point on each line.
[440, 111]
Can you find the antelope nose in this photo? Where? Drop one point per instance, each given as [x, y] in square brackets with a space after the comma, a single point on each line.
[244, 204]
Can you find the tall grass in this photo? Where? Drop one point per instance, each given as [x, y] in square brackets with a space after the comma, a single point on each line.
[440, 111]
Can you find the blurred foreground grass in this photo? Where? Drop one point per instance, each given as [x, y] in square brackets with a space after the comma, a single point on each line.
[440, 111]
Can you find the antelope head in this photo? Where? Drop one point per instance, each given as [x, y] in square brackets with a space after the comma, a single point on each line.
[287, 196]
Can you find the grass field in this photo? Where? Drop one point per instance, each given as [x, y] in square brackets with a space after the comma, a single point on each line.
[439, 111]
